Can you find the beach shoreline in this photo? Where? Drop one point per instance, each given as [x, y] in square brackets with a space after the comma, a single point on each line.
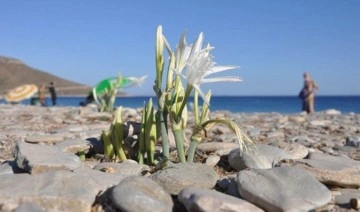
[33, 131]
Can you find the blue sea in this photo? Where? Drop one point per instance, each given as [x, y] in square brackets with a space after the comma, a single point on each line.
[245, 104]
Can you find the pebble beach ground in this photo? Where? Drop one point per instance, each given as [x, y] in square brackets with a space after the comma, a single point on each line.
[301, 162]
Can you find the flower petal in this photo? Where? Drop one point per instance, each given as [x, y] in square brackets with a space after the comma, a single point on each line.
[217, 69]
[222, 79]
[202, 95]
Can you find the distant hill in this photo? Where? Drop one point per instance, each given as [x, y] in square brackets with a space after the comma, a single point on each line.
[14, 73]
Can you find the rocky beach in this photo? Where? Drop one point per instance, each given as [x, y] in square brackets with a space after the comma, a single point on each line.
[301, 162]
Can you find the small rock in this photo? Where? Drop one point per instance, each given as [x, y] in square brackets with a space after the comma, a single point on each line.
[332, 112]
[353, 141]
[282, 189]
[50, 139]
[176, 177]
[212, 160]
[138, 193]
[46, 158]
[209, 200]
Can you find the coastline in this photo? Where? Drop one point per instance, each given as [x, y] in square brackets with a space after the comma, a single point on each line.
[249, 104]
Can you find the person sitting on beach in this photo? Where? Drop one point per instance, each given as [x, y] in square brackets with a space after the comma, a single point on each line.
[89, 99]
[307, 93]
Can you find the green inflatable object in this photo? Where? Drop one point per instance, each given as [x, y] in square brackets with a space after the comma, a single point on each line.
[105, 85]
[117, 82]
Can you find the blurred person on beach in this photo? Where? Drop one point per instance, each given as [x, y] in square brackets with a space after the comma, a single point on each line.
[307, 93]
[41, 94]
[88, 100]
[52, 91]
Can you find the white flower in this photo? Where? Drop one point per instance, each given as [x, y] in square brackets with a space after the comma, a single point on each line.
[182, 53]
[199, 64]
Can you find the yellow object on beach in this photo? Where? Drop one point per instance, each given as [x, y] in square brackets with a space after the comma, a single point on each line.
[20, 93]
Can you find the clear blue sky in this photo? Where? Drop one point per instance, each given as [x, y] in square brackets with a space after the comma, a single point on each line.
[274, 41]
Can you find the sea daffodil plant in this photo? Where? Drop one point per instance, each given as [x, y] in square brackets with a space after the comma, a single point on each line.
[113, 139]
[188, 65]
[198, 64]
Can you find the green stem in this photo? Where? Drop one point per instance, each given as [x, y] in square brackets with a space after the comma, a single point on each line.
[141, 157]
[142, 147]
[122, 155]
[196, 108]
[179, 140]
[81, 155]
[117, 143]
[150, 157]
[187, 94]
[191, 153]
[108, 147]
[164, 133]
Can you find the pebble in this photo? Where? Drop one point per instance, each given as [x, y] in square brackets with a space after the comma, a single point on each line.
[277, 189]
[209, 200]
[138, 189]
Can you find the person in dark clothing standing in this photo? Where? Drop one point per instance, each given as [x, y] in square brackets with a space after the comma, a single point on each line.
[52, 93]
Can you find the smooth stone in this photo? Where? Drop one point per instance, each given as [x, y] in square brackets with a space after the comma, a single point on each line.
[214, 146]
[346, 194]
[36, 158]
[48, 138]
[332, 112]
[138, 194]
[332, 170]
[253, 132]
[294, 150]
[103, 180]
[74, 146]
[65, 134]
[327, 143]
[327, 150]
[262, 157]
[320, 123]
[10, 167]
[212, 160]
[282, 189]
[89, 133]
[196, 199]
[297, 119]
[223, 183]
[28, 206]
[276, 135]
[345, 149]
[353, 141]
[233, 189]
[130, 112]
[6, 168]
[252, 159]
[176, 177]
[96, 115]
[302, 140]
[75, 128]
[3, 137]
[53, 191]
[126, 168]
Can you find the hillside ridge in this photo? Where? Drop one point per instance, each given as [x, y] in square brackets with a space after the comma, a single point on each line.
[14, 72]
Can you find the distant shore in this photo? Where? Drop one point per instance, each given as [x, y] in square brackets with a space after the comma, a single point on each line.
[240, 104]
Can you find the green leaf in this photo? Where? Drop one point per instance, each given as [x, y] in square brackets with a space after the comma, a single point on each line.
[205, 109]
[243, 139]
